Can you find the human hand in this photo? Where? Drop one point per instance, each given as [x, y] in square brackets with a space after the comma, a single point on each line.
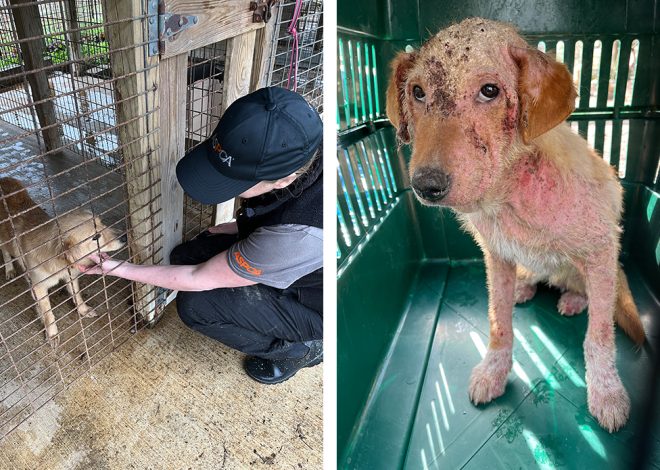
[102, 264]
[230, 228]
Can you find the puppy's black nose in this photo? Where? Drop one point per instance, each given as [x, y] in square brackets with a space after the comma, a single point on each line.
[430, 184]
[123, 238]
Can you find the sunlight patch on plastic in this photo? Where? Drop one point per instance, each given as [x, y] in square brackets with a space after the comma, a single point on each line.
[595, 73]
[592, 439]
[561, 361]
[540, 365]
[538, 451]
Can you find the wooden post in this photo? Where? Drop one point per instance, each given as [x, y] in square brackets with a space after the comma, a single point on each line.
[238, 71]
[136, 95]
[173, 92]
[263, 50]
[74, 37]
[28, 25]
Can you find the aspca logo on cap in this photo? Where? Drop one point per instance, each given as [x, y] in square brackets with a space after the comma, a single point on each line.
[222, 154]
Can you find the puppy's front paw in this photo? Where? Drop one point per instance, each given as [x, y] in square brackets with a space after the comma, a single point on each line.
[53, 340]
[10, 273]
[86, 311]
[610, 405]
[572, 303]
[524, 292]
[488, 379]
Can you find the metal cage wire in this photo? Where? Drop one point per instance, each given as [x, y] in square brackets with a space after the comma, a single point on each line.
[206, 67]
[59, 136]
[310, 51]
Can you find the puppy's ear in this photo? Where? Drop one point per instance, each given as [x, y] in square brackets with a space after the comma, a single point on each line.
[545, 90]
[396, 94]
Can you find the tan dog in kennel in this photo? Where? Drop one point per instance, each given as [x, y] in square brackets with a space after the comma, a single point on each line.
[29, 236]
[485, 113]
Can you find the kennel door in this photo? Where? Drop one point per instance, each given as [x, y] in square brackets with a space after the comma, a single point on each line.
[184, 27]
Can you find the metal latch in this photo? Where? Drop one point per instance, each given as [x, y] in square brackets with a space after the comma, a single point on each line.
[172, 24]
[262, 10]
[164, 26]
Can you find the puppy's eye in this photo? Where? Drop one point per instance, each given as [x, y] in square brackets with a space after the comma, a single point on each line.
[488, 92]
[96, 237]
[418, 93]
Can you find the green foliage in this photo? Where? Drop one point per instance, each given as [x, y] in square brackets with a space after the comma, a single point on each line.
[94, 48]
[55, 49]
[7, 58]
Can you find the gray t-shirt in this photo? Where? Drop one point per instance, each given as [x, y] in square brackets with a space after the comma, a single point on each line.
[278, 255]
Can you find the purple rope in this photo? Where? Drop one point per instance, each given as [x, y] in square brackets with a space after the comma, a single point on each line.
[293, 31]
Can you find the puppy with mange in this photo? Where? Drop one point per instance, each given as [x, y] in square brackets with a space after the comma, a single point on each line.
[30, 237]
[485, 114]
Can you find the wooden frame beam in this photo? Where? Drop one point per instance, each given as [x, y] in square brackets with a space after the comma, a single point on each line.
[238, 74]
[28, 25]
[216, 21]
[173, 76]
[138, 123]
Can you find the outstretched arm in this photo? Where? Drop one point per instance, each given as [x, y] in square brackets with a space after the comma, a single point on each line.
[212, 274]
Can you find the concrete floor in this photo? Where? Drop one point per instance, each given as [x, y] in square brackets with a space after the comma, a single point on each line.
[171, 398]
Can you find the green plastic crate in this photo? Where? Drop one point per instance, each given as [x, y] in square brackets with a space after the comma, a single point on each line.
[412, 299]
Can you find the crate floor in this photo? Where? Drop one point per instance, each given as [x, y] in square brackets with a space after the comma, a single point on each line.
[541, 421]
[170, 398]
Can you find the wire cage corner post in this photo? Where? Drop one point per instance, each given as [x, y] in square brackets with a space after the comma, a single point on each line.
[29, 30]
[137, 79]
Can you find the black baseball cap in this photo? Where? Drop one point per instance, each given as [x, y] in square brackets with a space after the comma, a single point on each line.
[263, 136]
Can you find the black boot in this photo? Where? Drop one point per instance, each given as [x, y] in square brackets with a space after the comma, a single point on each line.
[274, 371]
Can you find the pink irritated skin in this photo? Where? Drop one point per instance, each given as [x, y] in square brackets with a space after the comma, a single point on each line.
[606, 396]
[488, 379]
[524, 292]
[572, 303]
[548, 211]
[550, 205]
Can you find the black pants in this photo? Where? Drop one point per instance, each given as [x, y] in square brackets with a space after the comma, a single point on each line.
[258, 320]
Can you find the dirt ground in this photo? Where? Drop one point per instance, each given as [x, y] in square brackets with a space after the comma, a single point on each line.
[171, 398]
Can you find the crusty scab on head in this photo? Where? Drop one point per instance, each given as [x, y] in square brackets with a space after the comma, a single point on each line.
[444, 67]
[441, 97]
[448, 49]
[509, 123]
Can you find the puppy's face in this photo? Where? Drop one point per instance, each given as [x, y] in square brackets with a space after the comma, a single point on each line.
[84, 235]
[466, 100]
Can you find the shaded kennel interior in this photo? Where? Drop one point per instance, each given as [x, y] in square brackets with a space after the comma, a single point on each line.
[412, 299]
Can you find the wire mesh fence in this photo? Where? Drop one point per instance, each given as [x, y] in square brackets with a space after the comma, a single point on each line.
[68, 188]
[74, 50]
[206, 67]
[305, 74]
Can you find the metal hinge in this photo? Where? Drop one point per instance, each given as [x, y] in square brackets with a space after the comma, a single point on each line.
[164, 26]
[262, 10]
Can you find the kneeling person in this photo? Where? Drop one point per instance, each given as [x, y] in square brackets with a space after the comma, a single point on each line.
[254, 284]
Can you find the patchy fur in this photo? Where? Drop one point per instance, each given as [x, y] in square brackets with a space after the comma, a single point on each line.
[572, 303]
[488, 379]
[524, 292]
[29, 236]
[542, 205]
